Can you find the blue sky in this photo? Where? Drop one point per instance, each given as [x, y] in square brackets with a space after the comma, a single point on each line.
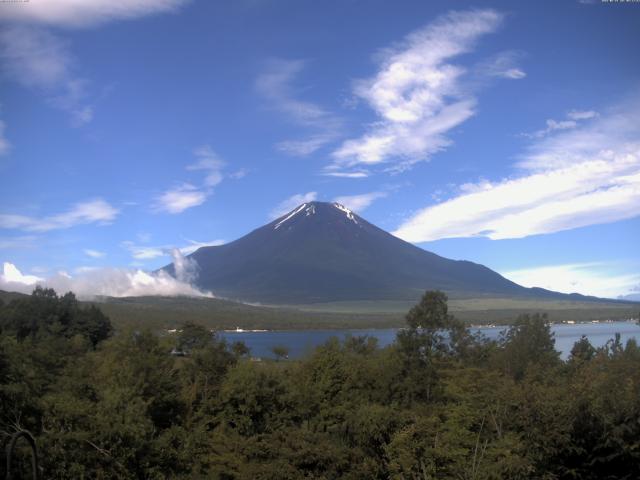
[506, 133]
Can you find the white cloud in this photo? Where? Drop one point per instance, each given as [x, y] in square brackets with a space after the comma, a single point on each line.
[208, 161]
[582, 114]
[17, 242]
[502, 65]
[112, 282]
[93, 253]
[597, 191]
[84, 13]
[598, 279]
[417, 93]
[359, 203]
[146, 252]
[185, 269]
[10, 274]
[93, 211]
[35, 58]
[238, 174]
[276, 84]
[180, 198]
[561, 125]
[5, 146]
[353, 174]
[514, 73]
[303, 148]
[609, 134]
[292, 202]
[185, 196]
[572, 121]
[194, 245]
[40, 60]
[585, 176]
[72, 99]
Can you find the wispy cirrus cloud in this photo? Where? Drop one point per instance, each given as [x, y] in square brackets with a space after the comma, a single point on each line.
[276, 84]
[513, 73]
[359, 203]
[148, 252]
[89, 252]
[343, 174]
[238, 174]
[292, 202]
[572, 120]
[39, 60]
[93, 211]
[5, 146]
[36, 58]
[305, 147]
[25, 241]
[418, 93]
[208, 162]
[502, 65]
[144, 252]
[84, 13]
[582, 114]
[584, 176]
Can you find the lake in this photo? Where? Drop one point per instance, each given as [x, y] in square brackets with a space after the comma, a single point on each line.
[301, 342]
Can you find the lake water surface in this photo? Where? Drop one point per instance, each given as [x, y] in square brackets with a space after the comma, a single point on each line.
[301, 342]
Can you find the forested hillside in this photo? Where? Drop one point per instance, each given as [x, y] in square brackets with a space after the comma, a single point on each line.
[437, 404]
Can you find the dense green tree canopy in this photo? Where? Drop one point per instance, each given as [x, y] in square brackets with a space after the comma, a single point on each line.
[437, 404]
[44, 313]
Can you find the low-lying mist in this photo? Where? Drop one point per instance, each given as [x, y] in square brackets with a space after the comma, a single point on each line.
[111, 282]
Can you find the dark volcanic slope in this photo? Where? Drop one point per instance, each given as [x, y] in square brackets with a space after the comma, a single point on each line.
[321, 252]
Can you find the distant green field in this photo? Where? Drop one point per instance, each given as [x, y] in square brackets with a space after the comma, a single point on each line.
[169, 312]
[470, 305]
[163, 312]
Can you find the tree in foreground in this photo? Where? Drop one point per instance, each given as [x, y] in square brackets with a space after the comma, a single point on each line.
[45, 314]
[432, 335]
[528, 343]
[582, 350]
[280, 351]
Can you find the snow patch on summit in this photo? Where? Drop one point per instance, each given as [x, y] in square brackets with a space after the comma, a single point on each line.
[292, 214]
[310, 209]
[348, 212]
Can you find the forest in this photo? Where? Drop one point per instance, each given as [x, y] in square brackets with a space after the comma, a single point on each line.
[439, 403]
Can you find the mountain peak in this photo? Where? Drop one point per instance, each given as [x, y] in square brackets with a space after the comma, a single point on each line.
[308, 209]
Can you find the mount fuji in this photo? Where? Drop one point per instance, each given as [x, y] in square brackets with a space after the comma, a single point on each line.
[324, 252]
